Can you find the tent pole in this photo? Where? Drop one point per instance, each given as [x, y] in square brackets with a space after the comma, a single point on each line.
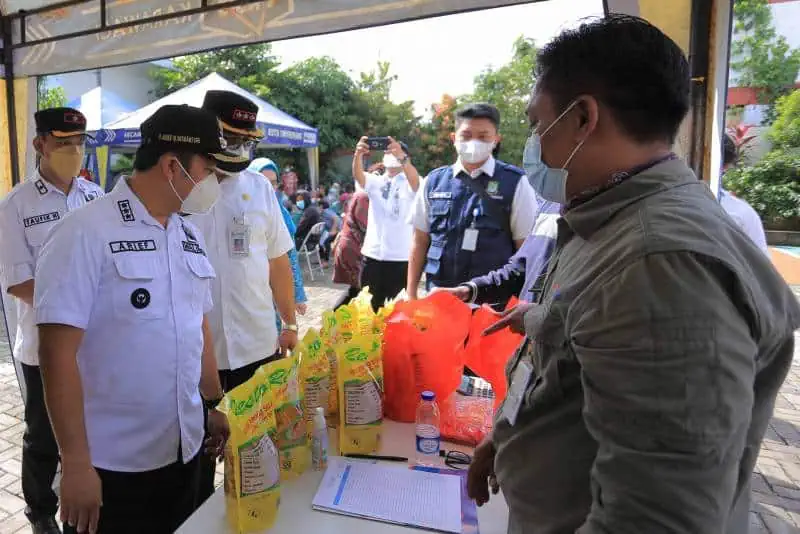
[11, 107]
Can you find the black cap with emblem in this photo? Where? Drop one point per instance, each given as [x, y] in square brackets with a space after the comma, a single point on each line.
[238, 117]
[183, 128]
[236, 113]
[60, 122]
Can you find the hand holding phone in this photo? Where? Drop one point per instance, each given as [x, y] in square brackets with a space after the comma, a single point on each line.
[378, 143]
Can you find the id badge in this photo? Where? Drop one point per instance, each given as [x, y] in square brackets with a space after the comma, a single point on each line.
[239, 239]
[516, 391]
[470, 241]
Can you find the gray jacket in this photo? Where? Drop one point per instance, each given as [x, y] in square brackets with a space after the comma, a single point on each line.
[658, 349]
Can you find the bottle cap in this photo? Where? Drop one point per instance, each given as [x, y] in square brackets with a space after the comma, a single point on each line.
[428, 395]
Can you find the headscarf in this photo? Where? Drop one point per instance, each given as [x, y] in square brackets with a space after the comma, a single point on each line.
[259, 164]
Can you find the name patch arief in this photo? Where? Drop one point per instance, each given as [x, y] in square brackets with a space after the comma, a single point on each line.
[145, 245]
[41, 219]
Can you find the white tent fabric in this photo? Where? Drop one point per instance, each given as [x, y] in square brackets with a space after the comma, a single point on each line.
[223, 23]
[281, 129]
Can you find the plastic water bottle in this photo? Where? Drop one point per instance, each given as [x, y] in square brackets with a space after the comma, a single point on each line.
[319, 441]
[428, 429]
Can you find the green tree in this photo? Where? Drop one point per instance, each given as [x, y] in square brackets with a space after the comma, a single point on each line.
[509, 88]
[436, 146]
[385, 117]
[250, 67]
[785, 131]
[760, 57]
[318, 92]
[49, 97]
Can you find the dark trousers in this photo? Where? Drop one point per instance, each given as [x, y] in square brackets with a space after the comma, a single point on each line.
[385, 279]
[349, 294]
[39, 451]
[155, 502]
[229, 378]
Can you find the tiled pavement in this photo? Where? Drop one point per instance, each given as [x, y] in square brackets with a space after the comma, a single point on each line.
[776, 484]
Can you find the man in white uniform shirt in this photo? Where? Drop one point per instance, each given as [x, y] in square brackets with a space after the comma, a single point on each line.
[27, 214]
[122, 290]
[388, 238]
[739, 210]
[248, 245]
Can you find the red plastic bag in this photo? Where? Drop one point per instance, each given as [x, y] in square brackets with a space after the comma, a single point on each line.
[423, 350]
[487, 356]
[466, 419]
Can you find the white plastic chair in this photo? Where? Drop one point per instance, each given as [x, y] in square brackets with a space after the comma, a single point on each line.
[308, 252]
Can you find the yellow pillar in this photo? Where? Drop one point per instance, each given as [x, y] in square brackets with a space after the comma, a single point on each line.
[22, 94]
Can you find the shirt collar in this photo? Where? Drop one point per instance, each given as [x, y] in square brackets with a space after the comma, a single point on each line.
[487, 168]
[587, 217]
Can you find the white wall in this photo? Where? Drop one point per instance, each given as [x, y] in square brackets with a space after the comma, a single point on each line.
[131, 83]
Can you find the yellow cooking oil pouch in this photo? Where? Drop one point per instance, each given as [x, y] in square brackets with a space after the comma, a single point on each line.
[283, 377]
[315, 375]
[360, 385]
[252, 469]
[329, 336]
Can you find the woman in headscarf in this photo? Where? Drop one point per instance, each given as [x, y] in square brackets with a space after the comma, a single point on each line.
[268, 168]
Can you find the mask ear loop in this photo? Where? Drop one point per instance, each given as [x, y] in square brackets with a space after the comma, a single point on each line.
[572, 155]
[189, 176]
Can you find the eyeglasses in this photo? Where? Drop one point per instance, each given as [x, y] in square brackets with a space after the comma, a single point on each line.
[456, 459]
[238, 144]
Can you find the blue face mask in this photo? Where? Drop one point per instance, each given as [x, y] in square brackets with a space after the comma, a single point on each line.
[549, 182]
[301, 204]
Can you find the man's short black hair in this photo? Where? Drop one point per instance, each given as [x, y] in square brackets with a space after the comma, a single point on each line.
[478, 111]
[147, 157]
[627, 64]
[730, 154]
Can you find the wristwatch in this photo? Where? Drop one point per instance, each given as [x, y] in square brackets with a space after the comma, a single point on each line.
[290, 327]
[211, 404]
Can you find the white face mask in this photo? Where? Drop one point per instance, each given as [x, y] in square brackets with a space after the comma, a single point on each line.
[391, 162]
[474, 151]
[203, 195]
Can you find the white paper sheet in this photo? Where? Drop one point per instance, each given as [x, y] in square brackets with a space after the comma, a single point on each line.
[391, 494]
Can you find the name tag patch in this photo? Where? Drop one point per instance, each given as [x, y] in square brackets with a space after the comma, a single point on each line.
[145, 245]
[193, 247]
[41, 219]
[440, 194]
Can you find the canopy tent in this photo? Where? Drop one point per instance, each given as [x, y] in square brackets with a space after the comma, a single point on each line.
[101, 106]
[42, 37]
[281, 130]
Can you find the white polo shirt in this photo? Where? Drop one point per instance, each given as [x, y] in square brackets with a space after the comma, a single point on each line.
[27, 215]
[244, 230]
[139, 291]
[524, 205]
[388, 235]
[746, 217]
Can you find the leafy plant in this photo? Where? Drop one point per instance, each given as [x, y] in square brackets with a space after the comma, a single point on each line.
[742, 137]
[509, 88]
[771, 186]
[785, 131]
[49, 97]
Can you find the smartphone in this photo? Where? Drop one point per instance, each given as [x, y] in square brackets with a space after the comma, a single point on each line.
[378, 143]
